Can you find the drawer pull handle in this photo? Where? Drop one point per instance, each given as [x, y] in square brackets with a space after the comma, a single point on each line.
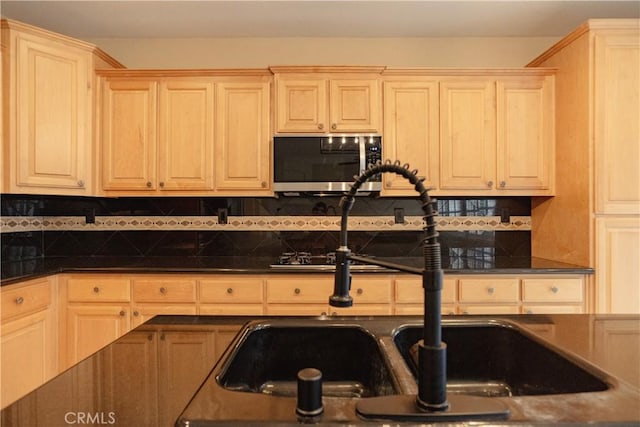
[360, 291]
[554, 289]
[297, 291]
[163, 290]
[529, 311]
[229, 290]
[122, 313]
[96, 290]
[491, 290]
[19, 300]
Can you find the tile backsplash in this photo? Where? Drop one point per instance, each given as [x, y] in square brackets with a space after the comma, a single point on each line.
[47, 226]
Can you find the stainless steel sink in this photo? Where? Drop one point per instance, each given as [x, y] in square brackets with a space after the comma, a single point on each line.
[267, 358]
[497, 359]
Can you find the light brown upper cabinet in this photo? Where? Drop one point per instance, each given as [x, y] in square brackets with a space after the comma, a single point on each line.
[48, 97]
[328, 99]
[157, 135]
[411, 132]
[184, 133]
[242, 139]
[497, 136]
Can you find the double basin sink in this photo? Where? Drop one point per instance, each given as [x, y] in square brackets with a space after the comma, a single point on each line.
[371, 357]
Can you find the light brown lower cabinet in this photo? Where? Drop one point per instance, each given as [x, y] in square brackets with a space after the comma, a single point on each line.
[614, 335]
[177, 362]
[28, 339]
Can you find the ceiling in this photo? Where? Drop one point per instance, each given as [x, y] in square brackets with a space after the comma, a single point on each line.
[313, 18]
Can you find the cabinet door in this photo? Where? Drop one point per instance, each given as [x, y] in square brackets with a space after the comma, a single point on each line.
[51, 147]
[91, 326]
[185, 140]
[142, 312]
[301, 105]
[618, 341]
[467, 135]
[617, 126]
[525, 138]
[355, 106]
[617, 272]
[242, 156]
[28, 355]
[185, 359]
[129, 114]
[411, 132]
[129, 367]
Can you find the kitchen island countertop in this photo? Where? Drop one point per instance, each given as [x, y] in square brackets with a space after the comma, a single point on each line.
[107, 384]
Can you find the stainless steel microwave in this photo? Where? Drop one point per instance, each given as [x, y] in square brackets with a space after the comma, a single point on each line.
[324, 164]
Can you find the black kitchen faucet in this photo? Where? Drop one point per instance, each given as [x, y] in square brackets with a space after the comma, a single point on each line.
[431, 403]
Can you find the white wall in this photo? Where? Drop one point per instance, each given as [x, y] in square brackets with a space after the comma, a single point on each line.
[262, 52]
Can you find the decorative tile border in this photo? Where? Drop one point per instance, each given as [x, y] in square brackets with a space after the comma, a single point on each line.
[257, 223]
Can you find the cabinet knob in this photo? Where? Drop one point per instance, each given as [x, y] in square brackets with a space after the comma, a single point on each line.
[360, 291]
[554, 289]
[163, 290]
[334, 126]
[320, 126]
[490, 291]
[503, 184]
[81, 183]
[296, 291]
[136, 313]
[149, 184]
[19, 300]
[263, 184]
[122, 313]
[490, 184]
[229, 290]
[529, 311]
[96, 290]
[161, 184]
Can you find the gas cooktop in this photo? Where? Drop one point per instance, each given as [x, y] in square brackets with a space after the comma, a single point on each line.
[304, 261]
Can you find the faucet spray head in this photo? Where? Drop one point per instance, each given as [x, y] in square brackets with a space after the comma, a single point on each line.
[342, 283]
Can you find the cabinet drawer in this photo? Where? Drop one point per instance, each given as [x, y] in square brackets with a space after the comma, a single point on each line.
[98, 289]
[409, 290]
[164, 290]
[231, 290]
[366, 289]
[489, 290]
[25, 299]
[489, 309]
[295, 290]
[552, 309]
[552, 290]
[232, 309]
[362, 310]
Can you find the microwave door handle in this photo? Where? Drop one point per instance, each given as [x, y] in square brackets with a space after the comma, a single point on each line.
[363, 154]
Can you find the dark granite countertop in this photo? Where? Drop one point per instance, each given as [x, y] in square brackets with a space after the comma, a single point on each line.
[120, 385]
[18, 271]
